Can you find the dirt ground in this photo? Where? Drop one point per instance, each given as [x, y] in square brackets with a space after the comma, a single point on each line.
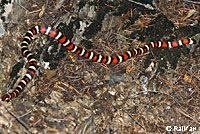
[158, 92]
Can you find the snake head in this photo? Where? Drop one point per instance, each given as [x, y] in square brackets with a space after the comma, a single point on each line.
[6, 98]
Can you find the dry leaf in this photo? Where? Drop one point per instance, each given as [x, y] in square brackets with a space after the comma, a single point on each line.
[187, 78]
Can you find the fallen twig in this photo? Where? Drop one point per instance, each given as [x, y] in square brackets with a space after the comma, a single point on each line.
[17, 118]
[189, 1]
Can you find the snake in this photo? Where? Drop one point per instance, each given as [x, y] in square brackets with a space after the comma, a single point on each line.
[93, 56]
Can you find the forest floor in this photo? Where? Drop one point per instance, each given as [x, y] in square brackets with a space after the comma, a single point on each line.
[158, 92]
